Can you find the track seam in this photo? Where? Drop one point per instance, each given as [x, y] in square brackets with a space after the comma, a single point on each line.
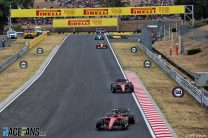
[24, 87]
[133, 94]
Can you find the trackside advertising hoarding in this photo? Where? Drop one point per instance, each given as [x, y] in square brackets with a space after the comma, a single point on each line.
[114, 11]
[85, 22]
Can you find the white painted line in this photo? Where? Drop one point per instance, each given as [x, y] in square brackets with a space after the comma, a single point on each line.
[133, 94]
[36, 78]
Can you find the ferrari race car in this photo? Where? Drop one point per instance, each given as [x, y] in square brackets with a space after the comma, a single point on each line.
[99, 37]
[122, 85]
[101, 45]
[118, 119]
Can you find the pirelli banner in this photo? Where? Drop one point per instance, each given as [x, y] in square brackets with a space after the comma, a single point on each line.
[94, 22]
[114, 11]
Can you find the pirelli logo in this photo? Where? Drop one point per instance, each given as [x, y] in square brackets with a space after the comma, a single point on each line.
[78, 22]
[47, 13]
[101, 12]
[143, 10]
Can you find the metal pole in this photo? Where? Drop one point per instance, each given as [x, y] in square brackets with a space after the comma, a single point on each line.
[10, 22]
[192, 16]
[172, 37]
[179, 42]
[169, 31]
[118, 24]
[164, 33]
[176, 28]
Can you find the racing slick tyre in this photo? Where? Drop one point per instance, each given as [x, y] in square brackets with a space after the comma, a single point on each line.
[131, 119]
[131, 88]
[99, 124]
[113, 89]
[124, 124]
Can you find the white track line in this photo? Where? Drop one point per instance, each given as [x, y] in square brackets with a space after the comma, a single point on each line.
[133, 94]
[36, 78]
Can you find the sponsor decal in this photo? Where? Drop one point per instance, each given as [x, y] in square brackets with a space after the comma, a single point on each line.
[97, 22]
[69, 12]
[47, 13]
[143, 11]
[117, 37]
[78, 22]
[98, 12]
[117, 11]
[164, 10]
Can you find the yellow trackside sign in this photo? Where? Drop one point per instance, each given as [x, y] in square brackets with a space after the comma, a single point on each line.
[85, 22]
[114, 11]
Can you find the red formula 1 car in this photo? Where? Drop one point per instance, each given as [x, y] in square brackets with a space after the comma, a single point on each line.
[118, 119]
[122, 85]
[101, 45]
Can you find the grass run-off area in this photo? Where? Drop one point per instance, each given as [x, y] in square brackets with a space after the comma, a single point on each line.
[13, 48]
[14, 77]
[192, 63]
[185, 115]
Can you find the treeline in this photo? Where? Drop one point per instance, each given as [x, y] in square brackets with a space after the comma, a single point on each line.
[200, 7]
[5, 5]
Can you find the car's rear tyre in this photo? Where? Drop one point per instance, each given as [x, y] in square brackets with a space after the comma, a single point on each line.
[131, 86]
[132, 89]
[99, 124]
[132, 119]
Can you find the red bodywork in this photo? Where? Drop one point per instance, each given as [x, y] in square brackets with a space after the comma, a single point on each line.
[111, 120]
[122, 86]
[101, 46]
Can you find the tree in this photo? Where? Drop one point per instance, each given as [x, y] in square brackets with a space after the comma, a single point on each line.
[5, 5]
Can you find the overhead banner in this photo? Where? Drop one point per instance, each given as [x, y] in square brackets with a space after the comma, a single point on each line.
[114, 11]
[85, 22]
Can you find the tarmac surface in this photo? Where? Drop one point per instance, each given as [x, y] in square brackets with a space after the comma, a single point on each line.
[72, 93]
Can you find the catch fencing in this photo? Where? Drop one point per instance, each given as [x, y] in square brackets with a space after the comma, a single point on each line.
[146, 41]
[194, 91]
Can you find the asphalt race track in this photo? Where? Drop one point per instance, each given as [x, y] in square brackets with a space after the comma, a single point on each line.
[73, 92]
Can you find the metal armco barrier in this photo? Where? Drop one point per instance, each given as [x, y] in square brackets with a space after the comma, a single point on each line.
[13, 58]
[24, 50]
[194, 91]
[174, 64]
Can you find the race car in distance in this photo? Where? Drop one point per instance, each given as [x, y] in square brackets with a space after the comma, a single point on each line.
[99, 37]
[101, 45]
[118, 119]
[122, 85]
[100, 31]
